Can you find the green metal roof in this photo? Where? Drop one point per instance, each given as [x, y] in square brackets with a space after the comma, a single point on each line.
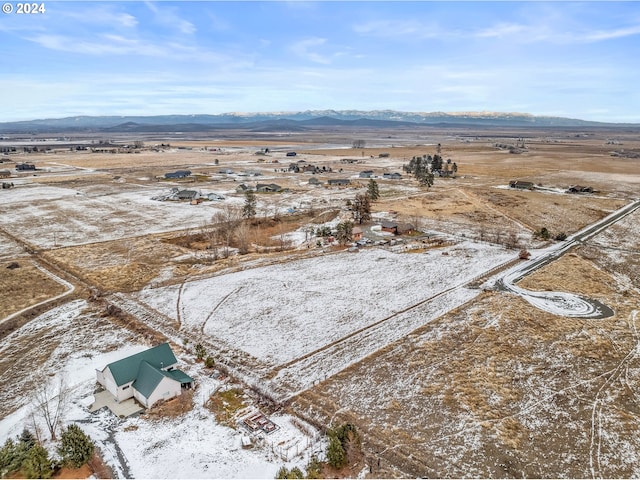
[126, 370]
[148, 379]
[179, 376]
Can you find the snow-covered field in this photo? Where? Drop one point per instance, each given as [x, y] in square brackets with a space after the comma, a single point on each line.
[192, 445]
[281, 313]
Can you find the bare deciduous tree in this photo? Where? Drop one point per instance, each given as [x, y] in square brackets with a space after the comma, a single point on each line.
[225, 221]
[50, 401]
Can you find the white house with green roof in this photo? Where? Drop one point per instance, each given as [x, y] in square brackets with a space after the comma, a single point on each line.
[148, 376]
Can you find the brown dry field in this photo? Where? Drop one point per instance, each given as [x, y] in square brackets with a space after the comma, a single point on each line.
[25, 286]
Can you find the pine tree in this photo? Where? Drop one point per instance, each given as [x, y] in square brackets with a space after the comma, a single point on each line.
[344, 232]
[362, 208]
[76, 448]
[372, 190]
[250, 202]
[8, 458]
[336, 455]
[37, 464]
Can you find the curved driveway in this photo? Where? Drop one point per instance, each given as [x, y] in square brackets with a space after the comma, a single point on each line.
[562, 303]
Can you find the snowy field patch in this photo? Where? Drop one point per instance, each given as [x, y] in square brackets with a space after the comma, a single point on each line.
[282, 312]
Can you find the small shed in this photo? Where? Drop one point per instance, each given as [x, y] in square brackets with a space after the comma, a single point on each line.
[366, 174]
[356, 233]
[521, 185]
[5, 173]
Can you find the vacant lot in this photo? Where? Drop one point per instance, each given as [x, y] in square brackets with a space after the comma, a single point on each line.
[501, 390]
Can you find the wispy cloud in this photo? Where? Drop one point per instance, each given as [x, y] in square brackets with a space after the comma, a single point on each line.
[169, 18]
[305, 49]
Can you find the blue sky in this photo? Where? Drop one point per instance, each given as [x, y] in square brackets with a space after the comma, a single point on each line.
[579, 60]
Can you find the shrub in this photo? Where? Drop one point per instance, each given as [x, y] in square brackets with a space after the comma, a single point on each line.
[561, 237]
[37, 464]
[200, 351]
[209, 362]
[76, 448]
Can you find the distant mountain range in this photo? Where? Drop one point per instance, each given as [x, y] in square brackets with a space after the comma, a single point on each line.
[291, 121]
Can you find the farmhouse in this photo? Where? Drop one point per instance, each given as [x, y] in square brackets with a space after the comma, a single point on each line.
[148, 376]
[243, 188]
[521, 185]
[397, 228]
[178, 174]
[187, 195]
[268, 187]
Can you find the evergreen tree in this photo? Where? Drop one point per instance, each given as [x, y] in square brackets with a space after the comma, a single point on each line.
[37, 464]
[76, 448]
[282, 473]
[250, 202]
[336, 455]
[344, 232]
[362, 208]
[372, 190]
[9, 461]
[295, 473]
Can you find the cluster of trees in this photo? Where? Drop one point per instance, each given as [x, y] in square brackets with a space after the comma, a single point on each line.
[202, 356]
[425, 168]
[344, 444]
[545, 234]
[27, 458]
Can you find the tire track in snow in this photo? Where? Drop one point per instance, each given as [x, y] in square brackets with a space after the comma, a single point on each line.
[224, 299]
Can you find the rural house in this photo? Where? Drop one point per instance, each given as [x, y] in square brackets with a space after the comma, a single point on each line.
[397, 228]
[5, 173]
[314, 181]
[268, 187]
[243, 188]
[187, 195]
[148, 376]
[366, 174]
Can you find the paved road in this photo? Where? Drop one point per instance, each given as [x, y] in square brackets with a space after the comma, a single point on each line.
[562, 303]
